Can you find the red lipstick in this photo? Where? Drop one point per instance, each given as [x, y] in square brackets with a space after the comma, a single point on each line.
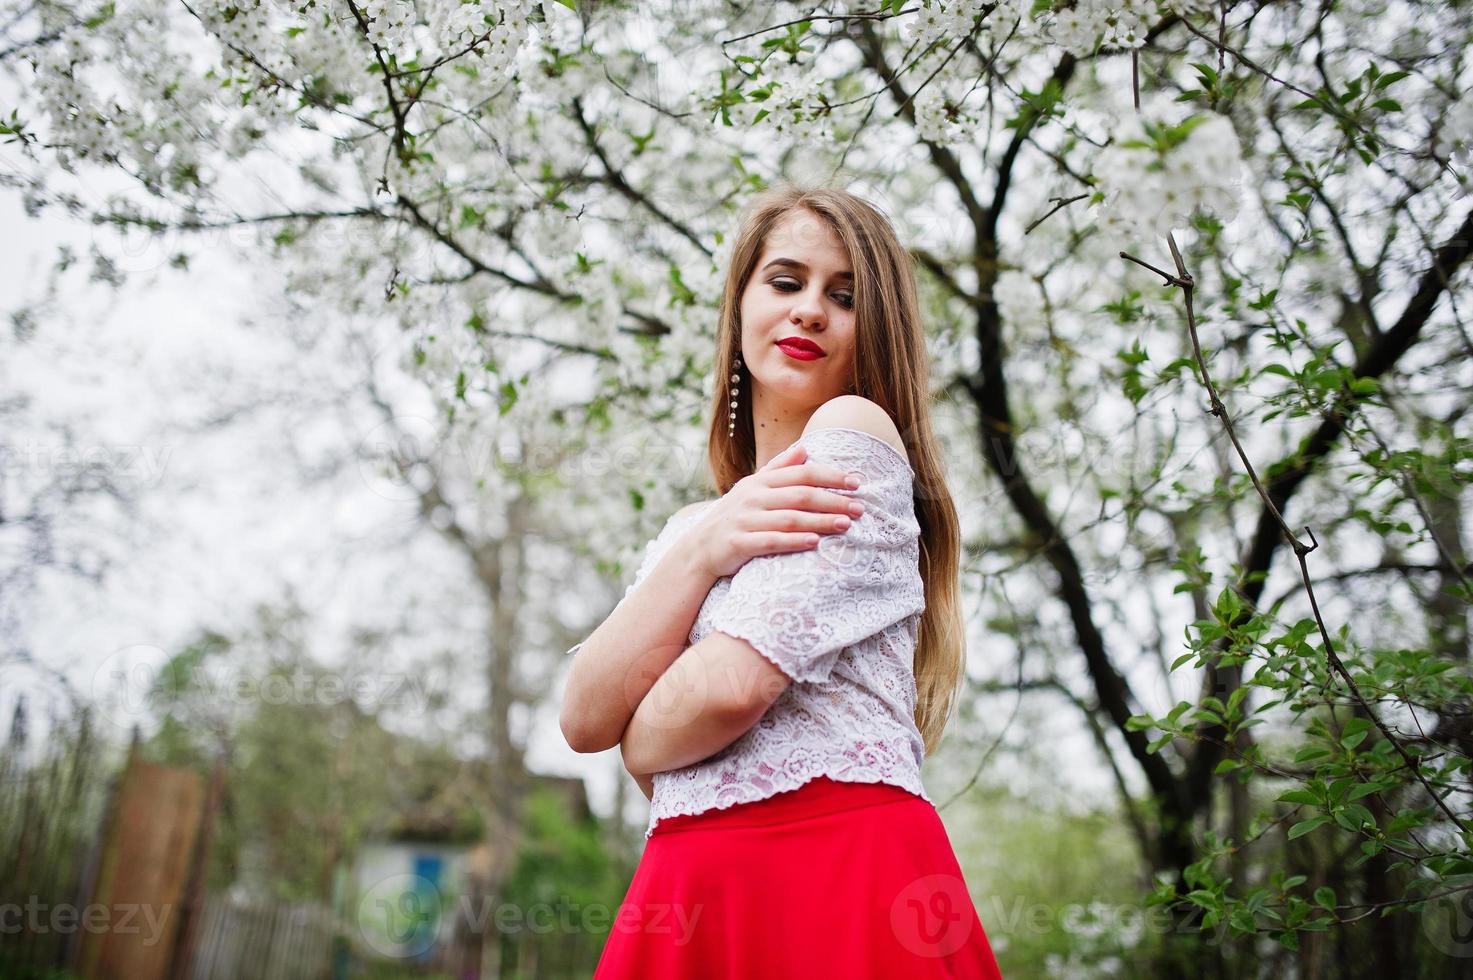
[800, 348]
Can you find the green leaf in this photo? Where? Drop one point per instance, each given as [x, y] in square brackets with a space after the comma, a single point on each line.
[1206, 899]
[102, 17]
[1324, 897]
[1228, 606]
[507, 396]
[681, 294]
[1235, 699]
[1305, 826]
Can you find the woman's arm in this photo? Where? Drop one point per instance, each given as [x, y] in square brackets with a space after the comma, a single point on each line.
[646, 782]
[788, 617]
[620, 661]
[710, 697]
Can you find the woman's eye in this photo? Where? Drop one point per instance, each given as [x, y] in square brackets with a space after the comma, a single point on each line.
[846, 300]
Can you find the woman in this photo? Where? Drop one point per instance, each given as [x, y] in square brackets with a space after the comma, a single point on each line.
[789, 652]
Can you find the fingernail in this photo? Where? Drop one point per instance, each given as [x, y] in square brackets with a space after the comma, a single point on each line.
[841, 522]
[852, 481]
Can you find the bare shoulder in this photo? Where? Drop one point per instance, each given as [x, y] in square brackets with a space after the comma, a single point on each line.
[689, 509]
[857, 412]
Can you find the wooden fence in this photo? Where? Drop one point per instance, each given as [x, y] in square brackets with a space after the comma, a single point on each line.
[53, 797]
[83, 827]
[241, 940]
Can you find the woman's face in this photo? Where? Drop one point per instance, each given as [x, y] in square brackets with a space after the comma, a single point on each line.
[801, 287]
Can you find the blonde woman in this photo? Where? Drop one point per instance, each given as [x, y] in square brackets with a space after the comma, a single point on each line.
[789, 652]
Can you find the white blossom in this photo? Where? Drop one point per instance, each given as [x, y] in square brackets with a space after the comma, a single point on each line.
[1089, 24]
[1149, 191]
[1455, 138]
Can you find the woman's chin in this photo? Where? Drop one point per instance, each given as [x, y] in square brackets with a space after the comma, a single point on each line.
[782, 369]
[797, 386]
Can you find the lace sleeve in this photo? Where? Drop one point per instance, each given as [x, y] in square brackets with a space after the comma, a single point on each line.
[801, 609]
[653, 549]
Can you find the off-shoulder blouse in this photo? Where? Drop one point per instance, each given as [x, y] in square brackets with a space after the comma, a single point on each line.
[840, 621]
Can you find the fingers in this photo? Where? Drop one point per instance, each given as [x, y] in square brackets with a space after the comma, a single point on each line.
[797, 521]
[787, 457]
[777, 542]
[812, 474]
[804, 497]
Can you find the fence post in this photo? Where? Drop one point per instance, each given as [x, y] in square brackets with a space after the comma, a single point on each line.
[142, 872]
[199, 873]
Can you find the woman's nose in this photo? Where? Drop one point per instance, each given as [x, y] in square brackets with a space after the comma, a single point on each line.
[808, 309]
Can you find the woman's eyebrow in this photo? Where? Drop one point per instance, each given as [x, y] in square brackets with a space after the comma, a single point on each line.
[795, 264]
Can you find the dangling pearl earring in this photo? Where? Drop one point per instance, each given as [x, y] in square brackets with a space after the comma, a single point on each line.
[731, 419]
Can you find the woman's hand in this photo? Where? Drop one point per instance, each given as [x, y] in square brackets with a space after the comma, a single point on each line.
[781, 507]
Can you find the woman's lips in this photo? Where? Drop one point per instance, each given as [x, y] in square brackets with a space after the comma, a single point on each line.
[799, 353]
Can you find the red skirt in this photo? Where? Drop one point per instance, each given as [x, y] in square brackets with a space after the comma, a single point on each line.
[832, 879]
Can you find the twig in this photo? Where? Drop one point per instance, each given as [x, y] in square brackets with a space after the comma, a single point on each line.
[1183, 280]
[877, 15]
[1328, 104]
[1063, 202]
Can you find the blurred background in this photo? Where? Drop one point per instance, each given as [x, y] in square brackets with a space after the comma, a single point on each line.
[353, 351]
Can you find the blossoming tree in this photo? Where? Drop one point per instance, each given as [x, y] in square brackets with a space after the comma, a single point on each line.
[527, 190]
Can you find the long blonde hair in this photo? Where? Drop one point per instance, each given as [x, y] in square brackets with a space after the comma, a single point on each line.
[892, 369]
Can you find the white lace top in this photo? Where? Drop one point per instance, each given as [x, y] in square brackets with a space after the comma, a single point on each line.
[840, 620]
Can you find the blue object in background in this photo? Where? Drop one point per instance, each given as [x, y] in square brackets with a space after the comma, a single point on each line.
[428, 869]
